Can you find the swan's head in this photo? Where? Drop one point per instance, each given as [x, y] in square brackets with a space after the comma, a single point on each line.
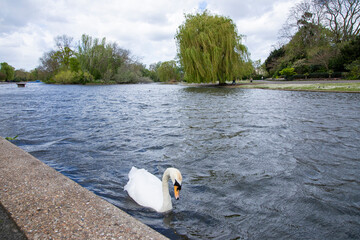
[176, 178]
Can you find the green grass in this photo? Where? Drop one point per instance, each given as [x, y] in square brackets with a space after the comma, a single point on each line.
[327, 87]
[11, 138]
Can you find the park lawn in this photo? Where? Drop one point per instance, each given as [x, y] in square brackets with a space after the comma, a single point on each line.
[321, 87]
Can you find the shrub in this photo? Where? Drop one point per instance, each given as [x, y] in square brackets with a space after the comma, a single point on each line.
[319, 75]
[337, 75]
[69, 77]
[130, 73]
[297, 76]
[287, 72]
[354, 69]
[64, 77]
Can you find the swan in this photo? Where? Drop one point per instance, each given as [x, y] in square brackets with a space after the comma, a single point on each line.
[147, 190]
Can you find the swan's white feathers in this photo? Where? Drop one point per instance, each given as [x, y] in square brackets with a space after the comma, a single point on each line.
[179, 177]
[148, 191]
[144, 188]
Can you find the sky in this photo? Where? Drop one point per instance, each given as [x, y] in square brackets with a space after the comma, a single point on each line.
[145, 27]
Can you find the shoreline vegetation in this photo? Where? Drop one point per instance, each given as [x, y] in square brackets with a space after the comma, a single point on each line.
[317, 85]
[210, 51]
[344, 86]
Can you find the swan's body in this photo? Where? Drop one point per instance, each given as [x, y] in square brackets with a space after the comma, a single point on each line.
[148, 191]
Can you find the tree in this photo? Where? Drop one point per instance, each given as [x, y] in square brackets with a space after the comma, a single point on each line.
[93, 60]
[308, 11]
[35, 74]
[323, 35]
[154, 71]
[131, 73]
[350, 51]
[2, 76]
[168, 71]
[354, 69]
[64, 51]
[210, 48]
[343, 17]
[101, 59]
[49, 65]
[21, 75]
[8, 71]
[273, 61]
[322, 56]
[288, 72]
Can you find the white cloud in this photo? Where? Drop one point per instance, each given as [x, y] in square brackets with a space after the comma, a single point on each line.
[145, 27]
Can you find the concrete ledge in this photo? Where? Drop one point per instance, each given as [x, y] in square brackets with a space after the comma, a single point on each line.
[47, 205]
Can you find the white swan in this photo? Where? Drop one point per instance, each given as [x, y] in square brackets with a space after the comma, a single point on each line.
[148, 191]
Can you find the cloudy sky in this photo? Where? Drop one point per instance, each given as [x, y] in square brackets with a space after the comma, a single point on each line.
[145, 27]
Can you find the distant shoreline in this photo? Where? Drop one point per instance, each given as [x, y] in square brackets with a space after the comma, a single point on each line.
[346, 86]
[319, 85]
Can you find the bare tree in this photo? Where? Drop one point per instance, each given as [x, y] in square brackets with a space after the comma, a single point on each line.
[321, 56]
[343, 17]
[309, 11]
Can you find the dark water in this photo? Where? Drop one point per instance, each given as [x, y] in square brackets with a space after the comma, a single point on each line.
[257, 164]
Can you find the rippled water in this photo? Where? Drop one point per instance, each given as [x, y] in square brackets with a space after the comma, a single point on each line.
[257, 164]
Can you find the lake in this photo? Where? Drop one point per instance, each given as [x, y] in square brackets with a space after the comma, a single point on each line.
[257, 164]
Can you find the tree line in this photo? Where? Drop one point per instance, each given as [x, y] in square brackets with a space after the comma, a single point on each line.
[92, 61]
[9, 74]
[322, 40]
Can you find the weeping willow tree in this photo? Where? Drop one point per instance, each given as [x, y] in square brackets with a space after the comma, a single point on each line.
[210, 49]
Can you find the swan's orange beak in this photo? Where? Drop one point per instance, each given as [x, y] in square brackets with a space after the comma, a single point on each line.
[177, 192]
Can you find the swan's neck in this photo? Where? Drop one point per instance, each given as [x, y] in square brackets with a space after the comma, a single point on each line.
[166, 206]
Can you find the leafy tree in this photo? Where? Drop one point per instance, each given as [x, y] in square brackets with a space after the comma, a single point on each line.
[93, 60]
[350, 51]
[210, 48]
[35, 74]
[301, 66]
[2, 76]
[322, 56]
[288, 72]
[130, 73]
[323, 36]
[99, 58]
[274, 60]
[49, 65]
[354, 69]
[21, 75]
[71, 77]
[8, 71]
[64, 51]
[74, 64]
[154, 71]
[168, 72]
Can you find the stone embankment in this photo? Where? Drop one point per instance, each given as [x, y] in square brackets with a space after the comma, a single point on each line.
[40, 203]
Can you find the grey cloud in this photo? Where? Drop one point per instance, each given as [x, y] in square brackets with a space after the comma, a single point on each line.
[242, 9]
[16, 14]
[146, 28]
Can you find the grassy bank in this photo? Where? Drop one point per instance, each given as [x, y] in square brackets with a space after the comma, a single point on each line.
[320, 87]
